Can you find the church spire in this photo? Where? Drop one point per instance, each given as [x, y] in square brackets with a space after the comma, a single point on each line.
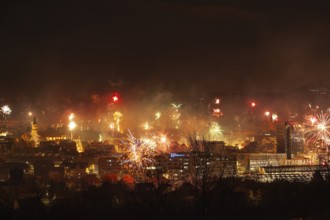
[34, 133]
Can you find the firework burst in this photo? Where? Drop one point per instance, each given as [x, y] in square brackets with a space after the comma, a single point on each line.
[157, 141]
[175, 114]
[215, 132]
[317, 128]
[137, 153]
[117, 116]
[162, 142]
[6, 110]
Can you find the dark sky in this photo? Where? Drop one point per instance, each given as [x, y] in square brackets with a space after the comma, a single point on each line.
[75, 47]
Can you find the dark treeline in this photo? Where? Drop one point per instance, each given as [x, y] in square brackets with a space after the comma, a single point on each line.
[228, 199]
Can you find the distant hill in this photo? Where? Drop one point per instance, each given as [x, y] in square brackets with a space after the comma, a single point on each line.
[316, 88]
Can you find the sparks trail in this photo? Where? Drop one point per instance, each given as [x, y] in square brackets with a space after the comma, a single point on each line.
[317, 128]
[137, 153]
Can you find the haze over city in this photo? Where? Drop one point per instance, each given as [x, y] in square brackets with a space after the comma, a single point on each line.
[154, 109]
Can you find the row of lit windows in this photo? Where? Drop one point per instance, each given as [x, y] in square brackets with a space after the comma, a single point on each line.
[55, 138]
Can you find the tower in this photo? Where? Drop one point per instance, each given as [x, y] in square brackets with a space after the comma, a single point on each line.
[280, 138]
[288, 139]
[34, 133]
[285, 138]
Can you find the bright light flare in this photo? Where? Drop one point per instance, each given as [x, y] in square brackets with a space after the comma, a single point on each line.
[312, 120]
[157, 115]
[217, 112]
[267, 113]
[6, 110]
[157, 141]
[146, 126]
[274, 117]
[115, 98]
[321, 127]
[71, 117]
[72, 125]
[163, 139]
[150, 142]
[112, 126]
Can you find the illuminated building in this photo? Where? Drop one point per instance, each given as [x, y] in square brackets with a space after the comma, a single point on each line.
[301, 171]
[6, 144]
[68, 146]
[8, 170]
[178, 166]
[34, 133]
[109, 165]
[52, 134]
[175, 166]
[289, 139]
[272, 166]
[76, 170]
[110, 148]
[257, 160]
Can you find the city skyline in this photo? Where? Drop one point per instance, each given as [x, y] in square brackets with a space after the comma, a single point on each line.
[151, 109]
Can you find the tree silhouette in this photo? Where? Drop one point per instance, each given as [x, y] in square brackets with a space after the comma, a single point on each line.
[207, 166]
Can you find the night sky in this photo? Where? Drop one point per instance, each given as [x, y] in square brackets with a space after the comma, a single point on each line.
[78, 47]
